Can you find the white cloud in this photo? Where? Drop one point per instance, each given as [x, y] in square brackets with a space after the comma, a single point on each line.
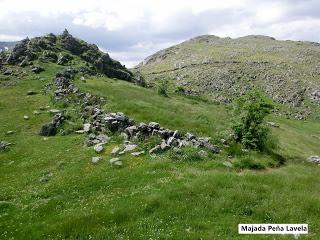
[131, 30]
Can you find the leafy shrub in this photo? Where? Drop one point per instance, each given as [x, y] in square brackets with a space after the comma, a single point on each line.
[248, 125]
[163, 88]
[180, 90]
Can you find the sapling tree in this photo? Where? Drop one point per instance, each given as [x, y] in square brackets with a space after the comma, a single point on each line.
[248, 125]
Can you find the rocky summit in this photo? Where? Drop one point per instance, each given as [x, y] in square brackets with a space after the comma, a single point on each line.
[62, 49]
[224, 68]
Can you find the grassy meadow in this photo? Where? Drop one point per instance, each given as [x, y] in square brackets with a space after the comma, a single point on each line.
[50, 189]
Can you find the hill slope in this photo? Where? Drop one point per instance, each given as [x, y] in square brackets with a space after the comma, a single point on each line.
[223, 68]
[51, 189]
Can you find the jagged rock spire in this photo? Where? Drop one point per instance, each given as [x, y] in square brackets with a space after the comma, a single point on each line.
[65, 33]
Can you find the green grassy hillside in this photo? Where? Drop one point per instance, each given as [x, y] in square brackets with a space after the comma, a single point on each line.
[50, 189]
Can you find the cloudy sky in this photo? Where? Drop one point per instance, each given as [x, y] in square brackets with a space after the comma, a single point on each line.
[130, 30]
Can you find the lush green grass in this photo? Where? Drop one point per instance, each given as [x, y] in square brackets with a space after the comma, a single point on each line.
[150, 197]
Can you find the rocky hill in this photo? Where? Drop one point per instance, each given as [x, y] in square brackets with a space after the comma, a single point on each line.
[63, 49]
[288, 71]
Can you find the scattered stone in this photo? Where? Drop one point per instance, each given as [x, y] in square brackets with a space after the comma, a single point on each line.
[79, 131]
[37, 69]
[8, 72]
[273, 124]
[314, 159]
[48, 130]
[115, 162]
[155, 149]
[10, 132]
[46, 177]
[4, 145]
[137, 153]
[86, 127]
[203, 154]
[96, 159]
[115, 151]
[130, 147]
[25, 117]
[31, 92]
[164, 145]
[98, 148]
[55, 111]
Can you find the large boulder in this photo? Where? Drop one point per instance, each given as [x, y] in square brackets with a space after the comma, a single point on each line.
[48, 129]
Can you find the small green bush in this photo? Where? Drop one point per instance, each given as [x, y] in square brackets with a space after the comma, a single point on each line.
[163, 88]
[248, 125]
[180, 90]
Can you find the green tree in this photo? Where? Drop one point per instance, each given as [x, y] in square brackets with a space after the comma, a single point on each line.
[248, 124]
[163, 88]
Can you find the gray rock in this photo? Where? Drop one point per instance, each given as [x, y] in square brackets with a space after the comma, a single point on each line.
[37, 69]
[102, 138]
[273, 124]
[137, 153]
[154, 149]
[189, 136]
[314, 159]
[98, 148]
[96, 159]
[8, 72]
[124, 136]
[31, 92]
[86, 127]
[25, 117]
[10, 132]
[163, 145]
[154, 125]
[203, 154]
[130, 147]
[46, 177]
[4, 145]
[55, 111]
[115, 162]
[48, 129]
[130, 131]
[115, 151]
[79, 131]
